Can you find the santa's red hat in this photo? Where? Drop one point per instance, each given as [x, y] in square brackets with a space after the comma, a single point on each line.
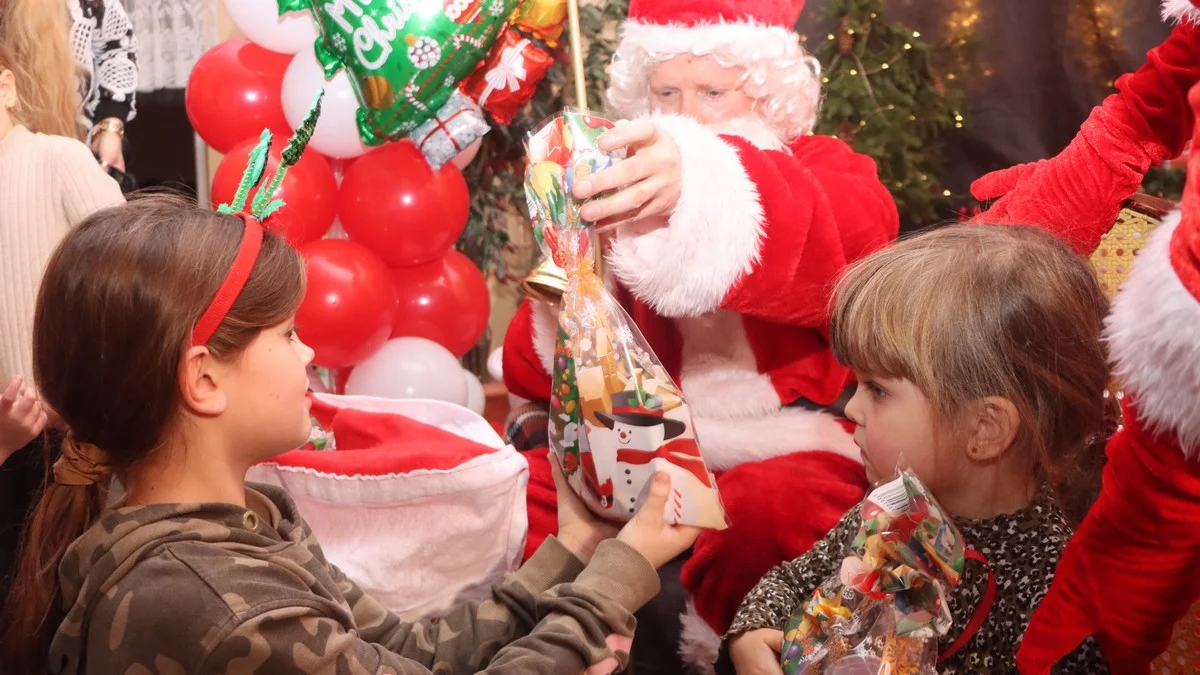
[1181, 10]
[696, 26]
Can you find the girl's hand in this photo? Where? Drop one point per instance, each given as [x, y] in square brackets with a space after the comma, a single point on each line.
[578, 528]
[108, 146]
[757, 652]
[648, 181]
[21, 418]
[650, 534]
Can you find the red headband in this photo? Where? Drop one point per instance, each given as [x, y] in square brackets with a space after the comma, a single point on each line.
[235, 281]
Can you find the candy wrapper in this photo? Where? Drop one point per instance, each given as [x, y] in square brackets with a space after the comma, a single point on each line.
[616, 417]
[886, 609]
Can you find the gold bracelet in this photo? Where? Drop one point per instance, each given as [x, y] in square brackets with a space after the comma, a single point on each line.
[108, 124]
[111, 124]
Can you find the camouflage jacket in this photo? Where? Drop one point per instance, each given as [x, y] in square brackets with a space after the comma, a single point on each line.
[217, 588]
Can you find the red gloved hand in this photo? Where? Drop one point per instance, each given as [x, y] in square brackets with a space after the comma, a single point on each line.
[1079, 192]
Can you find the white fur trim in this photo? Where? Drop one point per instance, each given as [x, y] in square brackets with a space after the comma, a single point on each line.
[725, 443]
[719, 373]
[1153, 336]
[753, 129]
[699, 644]
[1180, 11]
[545, 333]
[673, 38]
[714, 235]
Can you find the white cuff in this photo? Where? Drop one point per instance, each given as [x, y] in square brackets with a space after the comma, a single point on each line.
[545, 333]
[714, 235]
[1180, 11]
[1153, 337]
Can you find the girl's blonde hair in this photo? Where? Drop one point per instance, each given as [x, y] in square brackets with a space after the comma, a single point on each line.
[972, 311]
[34, 46]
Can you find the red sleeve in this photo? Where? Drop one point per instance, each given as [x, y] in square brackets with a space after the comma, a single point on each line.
[757, 231]
[525, 374]
[823, 207]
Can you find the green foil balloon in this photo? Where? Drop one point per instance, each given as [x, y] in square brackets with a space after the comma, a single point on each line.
[405, 57]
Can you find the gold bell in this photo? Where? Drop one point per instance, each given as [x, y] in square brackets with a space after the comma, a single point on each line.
[547, 282]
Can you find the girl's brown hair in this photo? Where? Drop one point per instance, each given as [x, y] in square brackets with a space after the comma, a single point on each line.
[971, 311]
[34, 45]
[114, 316]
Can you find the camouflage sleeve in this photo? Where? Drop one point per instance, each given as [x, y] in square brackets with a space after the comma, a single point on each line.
[484, 626]
[574, 625]
[780, 592]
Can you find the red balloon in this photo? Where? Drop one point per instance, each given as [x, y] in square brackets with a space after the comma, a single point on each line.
[445, 301]
[233, 93]
[308, 190]
[392, 202]
[350, 303]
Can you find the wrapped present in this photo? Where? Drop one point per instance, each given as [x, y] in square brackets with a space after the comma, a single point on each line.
[885, 610]
[457, 124]
[616, 418]
[506, 80]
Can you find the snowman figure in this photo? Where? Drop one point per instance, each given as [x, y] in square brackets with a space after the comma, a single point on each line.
[644, 445]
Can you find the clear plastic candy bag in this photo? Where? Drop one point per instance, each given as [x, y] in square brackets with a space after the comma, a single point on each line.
[616, 417]
[883, 613]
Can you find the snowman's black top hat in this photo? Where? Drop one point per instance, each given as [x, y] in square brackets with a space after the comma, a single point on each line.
[639, 410]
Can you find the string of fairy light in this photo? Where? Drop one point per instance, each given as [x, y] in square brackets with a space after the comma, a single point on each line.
[961, 27]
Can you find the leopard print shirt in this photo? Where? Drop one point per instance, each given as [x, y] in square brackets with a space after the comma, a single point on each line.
[1023, 549]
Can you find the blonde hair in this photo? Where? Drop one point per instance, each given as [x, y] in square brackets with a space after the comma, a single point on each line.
[34, 46]
[971, 311]
[783, 80]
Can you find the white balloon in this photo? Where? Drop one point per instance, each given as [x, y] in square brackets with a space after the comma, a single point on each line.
[410, 367]
[260, 21]
[336, 134]
[476, 400]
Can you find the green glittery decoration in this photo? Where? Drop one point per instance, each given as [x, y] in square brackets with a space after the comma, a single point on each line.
[252, 175]
[263, 205]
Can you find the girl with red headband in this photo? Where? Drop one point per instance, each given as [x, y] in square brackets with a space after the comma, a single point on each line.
[164, 338]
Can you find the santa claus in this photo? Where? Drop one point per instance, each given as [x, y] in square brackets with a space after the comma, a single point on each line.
[732, 222]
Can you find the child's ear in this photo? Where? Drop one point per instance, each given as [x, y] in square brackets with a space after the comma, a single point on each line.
[994, 428]
[199, 383]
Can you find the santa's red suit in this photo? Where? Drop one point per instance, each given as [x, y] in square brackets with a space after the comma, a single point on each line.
[1129, 575]
[733, 297]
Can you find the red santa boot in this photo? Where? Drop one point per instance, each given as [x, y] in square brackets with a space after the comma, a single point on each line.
[1128, 575]
[1079, 192]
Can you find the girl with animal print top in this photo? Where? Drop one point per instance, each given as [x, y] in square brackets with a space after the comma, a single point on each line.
[980, 368]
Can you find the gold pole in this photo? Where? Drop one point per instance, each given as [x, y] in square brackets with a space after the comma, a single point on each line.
[581, 101]
[577, 54]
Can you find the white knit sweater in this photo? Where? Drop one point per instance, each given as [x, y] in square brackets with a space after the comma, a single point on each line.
[47, 185]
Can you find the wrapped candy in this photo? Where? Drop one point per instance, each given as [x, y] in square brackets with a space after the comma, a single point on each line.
[506, 80]
[405, 59]
[616, 417]
[883, 613]
[457, 125]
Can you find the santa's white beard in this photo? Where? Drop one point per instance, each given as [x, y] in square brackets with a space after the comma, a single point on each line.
[752, 128]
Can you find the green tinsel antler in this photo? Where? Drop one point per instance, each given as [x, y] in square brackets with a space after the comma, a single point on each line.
[252, 175]
[263, 205]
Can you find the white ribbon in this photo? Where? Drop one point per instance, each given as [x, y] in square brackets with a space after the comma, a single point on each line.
[508, 74]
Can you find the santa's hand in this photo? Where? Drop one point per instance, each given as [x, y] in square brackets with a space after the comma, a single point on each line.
[647, 181]
[578, 528]
[757, 652]
[650, 534]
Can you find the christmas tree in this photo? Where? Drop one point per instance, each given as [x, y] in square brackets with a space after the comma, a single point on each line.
[893, 97]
